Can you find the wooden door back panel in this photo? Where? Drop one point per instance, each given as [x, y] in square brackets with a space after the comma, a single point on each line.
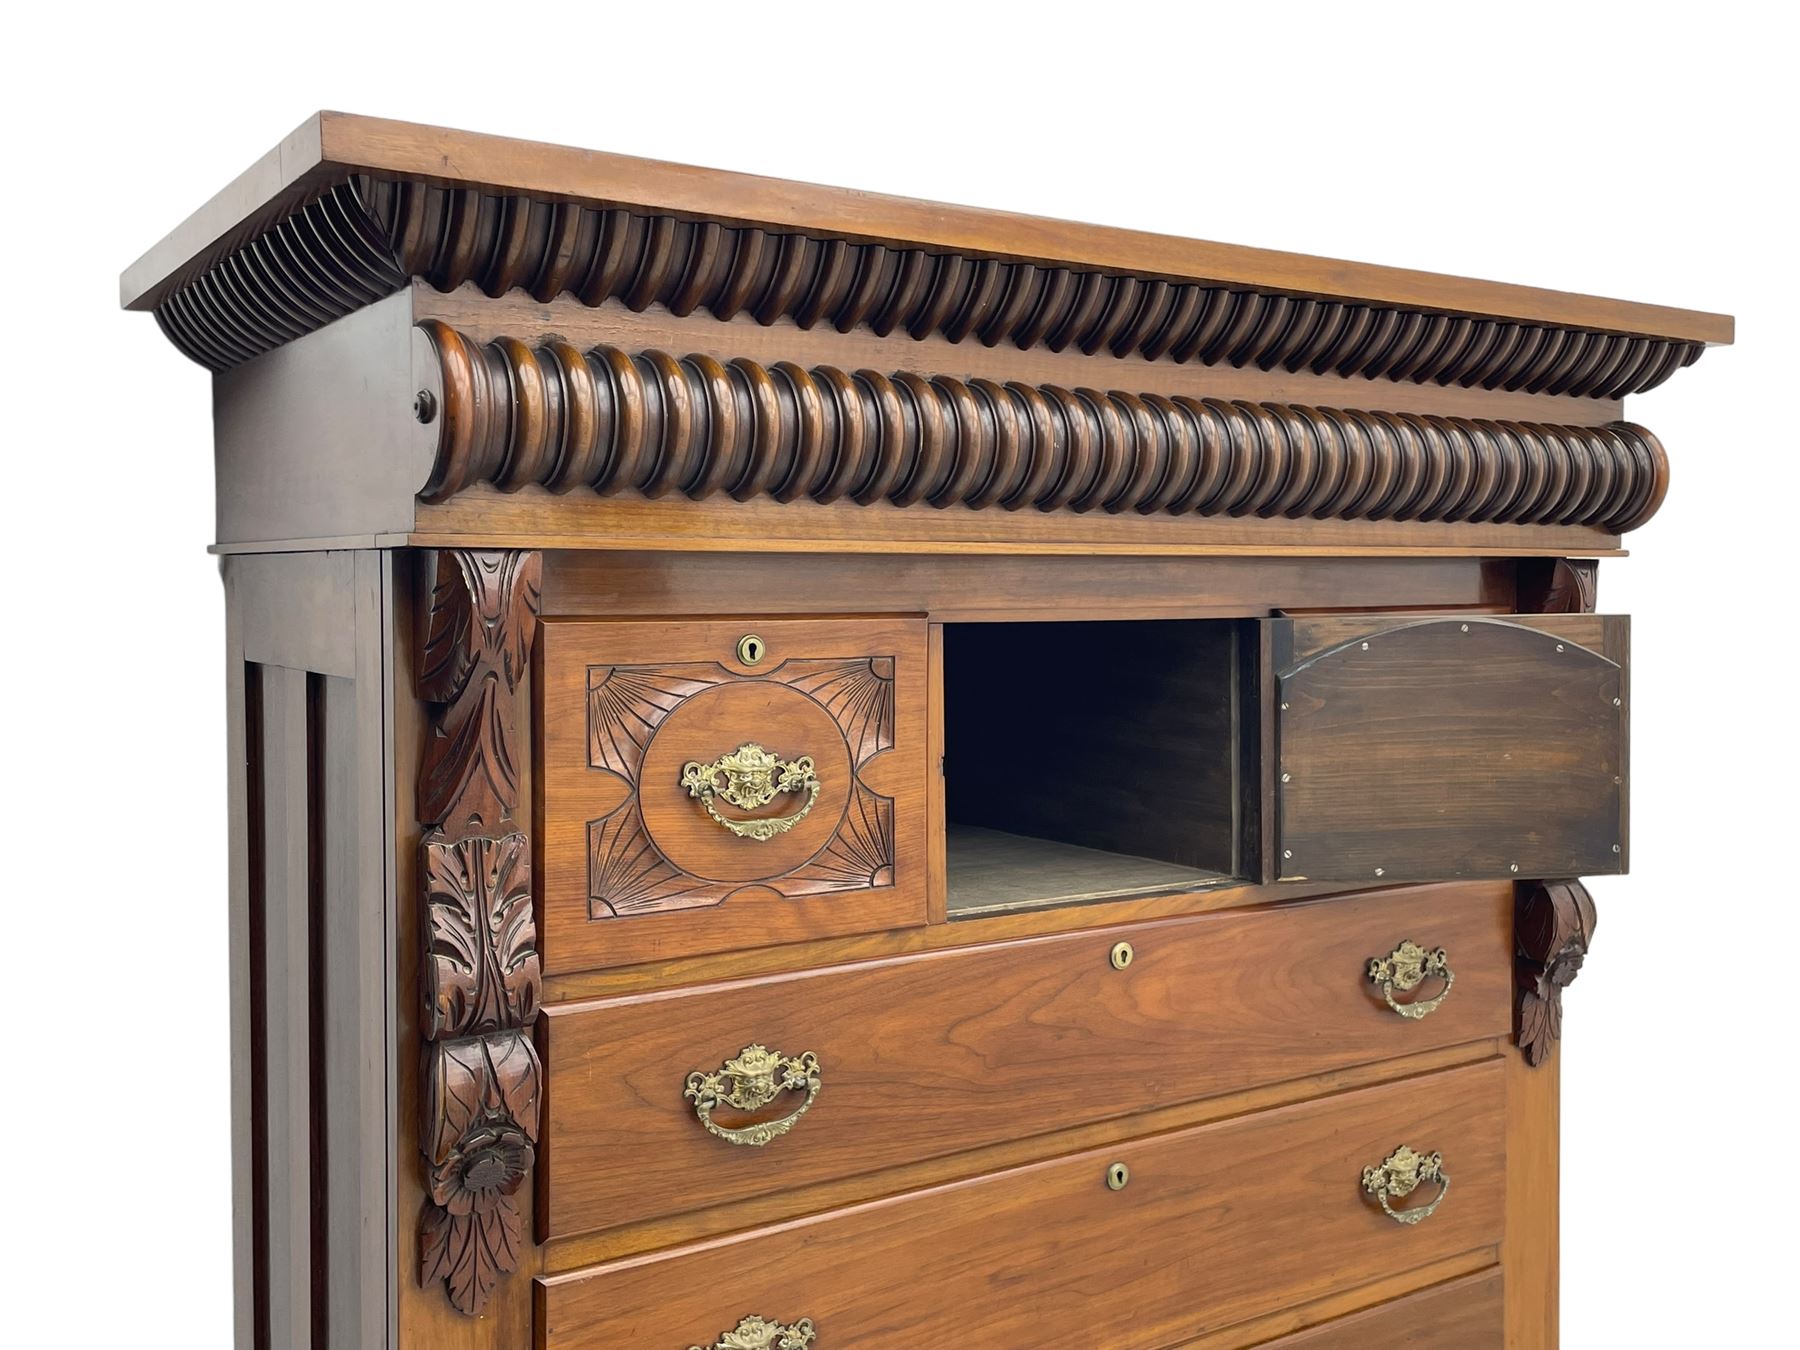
[802, 814]
[929, 1055]
[1445, 748]
[1216, 1224]
[1464, 1314]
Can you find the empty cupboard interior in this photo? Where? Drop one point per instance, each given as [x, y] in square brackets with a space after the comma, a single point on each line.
[1093, 760]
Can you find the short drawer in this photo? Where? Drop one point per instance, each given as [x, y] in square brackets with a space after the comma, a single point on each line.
[1136, 1246]
[1464, 1314]
[710, 785]
[1449, 748]
[852, 1069]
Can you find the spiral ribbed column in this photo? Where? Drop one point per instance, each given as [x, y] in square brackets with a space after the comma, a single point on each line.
[650, 423]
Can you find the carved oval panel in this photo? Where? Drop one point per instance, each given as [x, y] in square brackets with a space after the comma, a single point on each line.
[780, 720]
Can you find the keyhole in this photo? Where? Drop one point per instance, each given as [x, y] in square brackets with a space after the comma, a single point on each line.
[1122, 955]
[1117, 1176]
[751, 649]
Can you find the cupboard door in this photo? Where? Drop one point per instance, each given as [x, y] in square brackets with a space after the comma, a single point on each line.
[711, 785]
[1449, 747]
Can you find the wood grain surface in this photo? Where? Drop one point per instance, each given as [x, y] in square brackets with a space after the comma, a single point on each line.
[932, 1055]
[1458, 747]
[1217, 1225]
[633, 867]
[1465, 1314]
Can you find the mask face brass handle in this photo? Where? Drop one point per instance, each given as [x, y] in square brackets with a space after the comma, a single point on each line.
[750, 1082]
[1406, 968]
[758, 1333]
[751, 778]
[1399, 1175]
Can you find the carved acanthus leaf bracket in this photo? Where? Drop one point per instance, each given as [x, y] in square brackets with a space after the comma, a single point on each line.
[481, 975]
[1553, 927]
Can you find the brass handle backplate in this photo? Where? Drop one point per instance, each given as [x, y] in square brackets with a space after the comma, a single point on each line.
[1406, 968]
[750, 1082]
[759, 1333]
[752, 778]
[1402, 1173]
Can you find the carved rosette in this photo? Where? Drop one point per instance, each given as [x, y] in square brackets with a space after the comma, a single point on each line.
[1553, 927]
[481, 976]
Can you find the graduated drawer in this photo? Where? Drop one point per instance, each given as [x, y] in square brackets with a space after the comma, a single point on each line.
[1214, 1225]
[928, 1055]
[709, 784]
[1462, 1314]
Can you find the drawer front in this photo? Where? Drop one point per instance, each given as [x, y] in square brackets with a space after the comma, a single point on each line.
[1465, 1314]
[713, 785]
[1212, 1225]
[930, 1055]
[1443, 748]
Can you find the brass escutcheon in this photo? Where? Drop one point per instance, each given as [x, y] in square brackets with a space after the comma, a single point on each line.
[1122, 955]
[756, 1077]
[751, 649]
[1400, 1174]
[1406, 968]
[1118, 1177]
[759, 1333]
[752, 778]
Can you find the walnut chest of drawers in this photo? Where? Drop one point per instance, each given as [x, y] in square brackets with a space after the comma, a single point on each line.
[812, 770]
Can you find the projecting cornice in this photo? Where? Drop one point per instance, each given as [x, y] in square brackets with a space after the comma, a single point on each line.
[350, 209]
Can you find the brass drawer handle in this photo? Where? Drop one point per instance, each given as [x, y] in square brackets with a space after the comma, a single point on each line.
[750, 1082]
[1406, 968]
[1399, 1176]
[753, 778]
[758, 1333]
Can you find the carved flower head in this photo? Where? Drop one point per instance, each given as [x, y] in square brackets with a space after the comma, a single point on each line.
[490, 1160]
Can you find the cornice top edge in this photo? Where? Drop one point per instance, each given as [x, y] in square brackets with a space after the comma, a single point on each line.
[358, 239]
[331, 146]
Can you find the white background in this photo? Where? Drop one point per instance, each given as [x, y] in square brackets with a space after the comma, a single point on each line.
[1642, 151]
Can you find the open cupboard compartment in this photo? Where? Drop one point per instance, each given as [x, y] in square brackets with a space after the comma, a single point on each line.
[1096, 760]
[1086, 761]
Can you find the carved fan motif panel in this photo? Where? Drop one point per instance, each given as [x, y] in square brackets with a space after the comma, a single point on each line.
[783, 795]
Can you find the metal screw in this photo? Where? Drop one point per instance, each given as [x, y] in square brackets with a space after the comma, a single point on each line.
[1381, 871]
[1118, 1176]
[1616, 703]
[1365, 646]
[425, 405]
[1284, 707]
[1465, 628]
[1287, 852]
[1514, 866]
[1287, 777]
[1559, 646]
[1615, 848]
[1121, 955]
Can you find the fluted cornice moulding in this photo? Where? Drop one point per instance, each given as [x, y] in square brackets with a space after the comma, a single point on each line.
[348, 209]
[609, 421]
